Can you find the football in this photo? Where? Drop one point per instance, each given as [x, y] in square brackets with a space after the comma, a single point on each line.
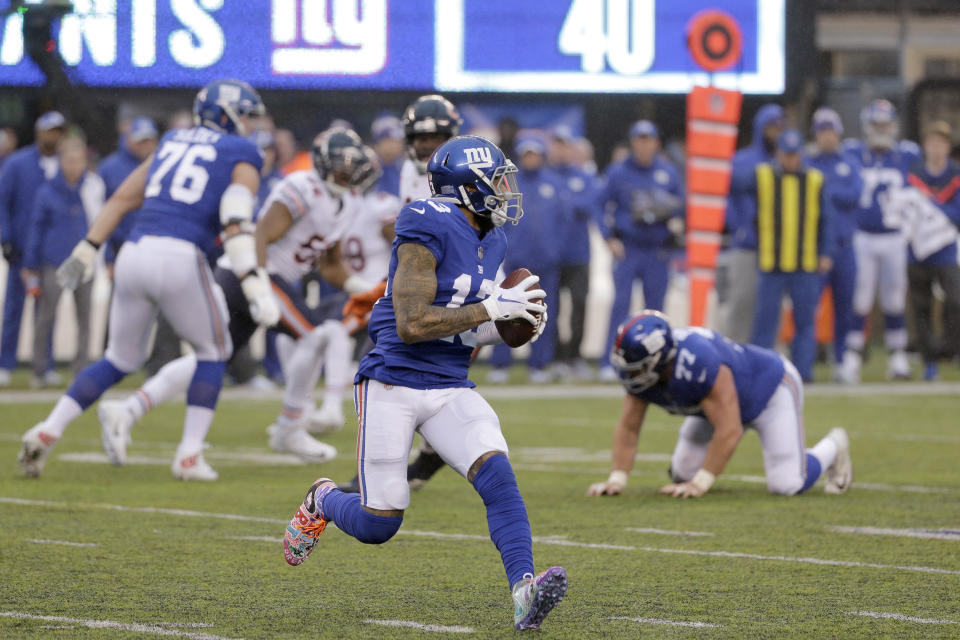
[517, 332]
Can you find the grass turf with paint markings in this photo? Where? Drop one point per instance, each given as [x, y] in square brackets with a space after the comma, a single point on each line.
[157, 567]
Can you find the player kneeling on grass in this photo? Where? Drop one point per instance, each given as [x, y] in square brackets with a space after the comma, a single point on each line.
[440, 303]
[722, 387]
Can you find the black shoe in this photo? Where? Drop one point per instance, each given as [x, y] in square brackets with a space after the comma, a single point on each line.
[423, 468]
[350, 487]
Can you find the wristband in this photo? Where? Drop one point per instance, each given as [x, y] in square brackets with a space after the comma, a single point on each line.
[95, 245]
[618, 477]
[703, 480]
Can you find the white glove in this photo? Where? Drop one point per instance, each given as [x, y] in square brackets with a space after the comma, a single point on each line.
[508, 304]
[263, 306]
[614, 485]
[541, 323]
[79, 266]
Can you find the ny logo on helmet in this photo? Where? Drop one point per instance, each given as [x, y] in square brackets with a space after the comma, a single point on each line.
[479, 155]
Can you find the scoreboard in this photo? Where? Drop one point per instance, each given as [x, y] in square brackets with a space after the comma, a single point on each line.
[533, 46]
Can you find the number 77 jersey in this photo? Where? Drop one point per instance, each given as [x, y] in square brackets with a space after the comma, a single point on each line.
[190, 171]
[466, 269]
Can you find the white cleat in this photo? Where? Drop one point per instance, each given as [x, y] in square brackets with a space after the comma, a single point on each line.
[326, 419]
[898, 366]
[608, 374]
[498, 375]
[35, 446]
[540, 376]
[6, 378]
[193, 467]
[840, 473]
[115, 424]
[849, 371]
[295, 439]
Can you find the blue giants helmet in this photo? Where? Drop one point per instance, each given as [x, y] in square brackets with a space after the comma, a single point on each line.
[221, 104]
[643, 348]
[474, 173]
[878, 120]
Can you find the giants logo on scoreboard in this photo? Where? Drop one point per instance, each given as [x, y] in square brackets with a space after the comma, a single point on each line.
[324, 37]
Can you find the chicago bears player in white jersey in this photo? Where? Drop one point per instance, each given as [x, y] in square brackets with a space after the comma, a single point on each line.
[879, 244]
[427, 123]
[199, 183]
[722, 387]
[300, 225]
[441, 301]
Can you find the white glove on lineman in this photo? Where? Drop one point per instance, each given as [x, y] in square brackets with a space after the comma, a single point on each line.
[79, 266]
[508, 304]
[263, 306]
[541, 323]
[614, 485]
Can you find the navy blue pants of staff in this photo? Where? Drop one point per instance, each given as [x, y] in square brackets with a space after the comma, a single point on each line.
[842, 280]
[651, 266]
[804, 290]
[541, 351]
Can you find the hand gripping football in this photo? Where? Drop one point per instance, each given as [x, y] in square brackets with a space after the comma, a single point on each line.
[517, 332]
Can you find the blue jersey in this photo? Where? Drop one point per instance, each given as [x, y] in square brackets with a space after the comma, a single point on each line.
[880, 171]
[841, 188]
[189, 173]
[700, 352]
[466, 267]
[638, 202]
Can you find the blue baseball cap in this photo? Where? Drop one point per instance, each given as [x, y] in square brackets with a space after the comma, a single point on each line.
[827, 118]
[51, 120]
[263, 139]
[563, 133]
[529, 142]
[141, 129]
[644, 128]
[790, 141]
[386, 127]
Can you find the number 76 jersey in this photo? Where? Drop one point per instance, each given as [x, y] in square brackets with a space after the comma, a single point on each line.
[190, 171]
[466, 270]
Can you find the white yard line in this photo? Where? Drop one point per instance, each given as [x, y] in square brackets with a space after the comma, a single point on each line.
[551, 540]
[560, 391]
[155, 629]
[419, 625]
[64, 543]
[900, 616]
[668, 532]
[928, 534]
[227, 457]
[673, 623]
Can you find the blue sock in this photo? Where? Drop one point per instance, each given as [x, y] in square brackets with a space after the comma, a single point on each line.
[93, 381]
[205, 386]
[345, 510]
[813, 472]
[506, 516]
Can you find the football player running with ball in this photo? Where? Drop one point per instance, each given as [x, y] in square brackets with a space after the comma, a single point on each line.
[440, 303]
[201, 182]
[722, 387]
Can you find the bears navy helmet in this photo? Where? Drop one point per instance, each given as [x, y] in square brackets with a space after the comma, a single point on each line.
[474, 173]
[343, 161]
[222, 105]
[431, 114]
[643, 348]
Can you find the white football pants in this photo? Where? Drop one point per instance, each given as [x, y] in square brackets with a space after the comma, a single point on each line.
[780, 427]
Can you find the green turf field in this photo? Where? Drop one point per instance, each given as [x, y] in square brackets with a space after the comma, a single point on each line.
[205, 561]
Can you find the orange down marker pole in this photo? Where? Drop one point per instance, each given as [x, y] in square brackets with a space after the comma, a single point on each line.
[714, 41]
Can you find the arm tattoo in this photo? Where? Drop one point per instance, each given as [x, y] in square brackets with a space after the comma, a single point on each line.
[414, 289]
